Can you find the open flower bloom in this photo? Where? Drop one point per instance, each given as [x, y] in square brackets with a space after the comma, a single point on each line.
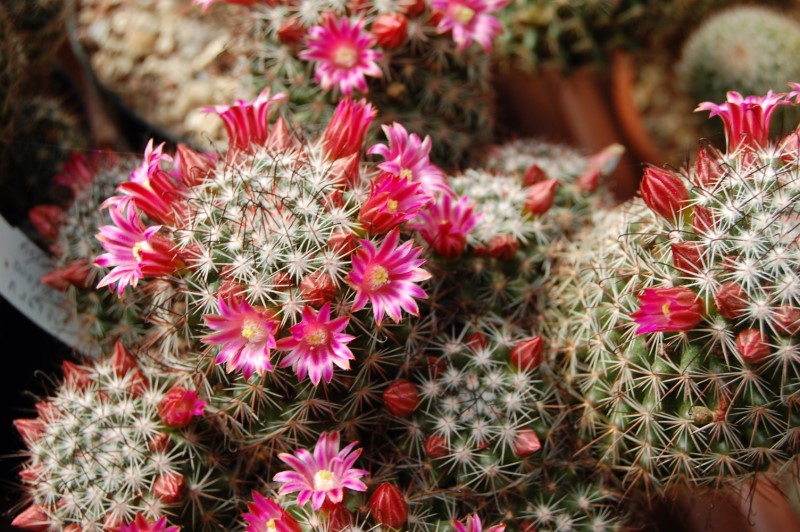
[445, 224]
[316, 344]
[392, 201]
[469, 20]
[133, 250]
[409, 157]
[247, 123]
[386, 277]
[140, 524]
[668, 310]
[245, 336]
[265, 515]
[322, 475]
[474, 525]
[152, 190]
[344, 55]
[747, 118]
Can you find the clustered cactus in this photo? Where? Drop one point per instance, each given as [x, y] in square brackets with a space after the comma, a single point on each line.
[298, 336]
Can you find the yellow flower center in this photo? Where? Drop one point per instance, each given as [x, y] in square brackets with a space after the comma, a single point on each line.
[323, 480]
[377, 277]
[138, 248]
[271, 526]
[406, 173]
[665, 309]
[463, 14]
[391, 206]
[345, 56]
[316, 337]
[253, 331]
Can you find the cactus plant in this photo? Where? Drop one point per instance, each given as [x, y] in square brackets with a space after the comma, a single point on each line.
[675, 317]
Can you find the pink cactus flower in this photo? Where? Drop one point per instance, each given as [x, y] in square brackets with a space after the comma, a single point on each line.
[153, 191]
[179, 407]
[409, 157]
[316, 344]
[325, 474]
[747, 118]
[386, 277]
[140, 524]
[474, 525]
[668, 310]
[348, 127]
[247, 123]
[245, 334]
[265, 515]
[445, 224]
[469, 20]
[344, 53]
[134, 251]
[392, 201]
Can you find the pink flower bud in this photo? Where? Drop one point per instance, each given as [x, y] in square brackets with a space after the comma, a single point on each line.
[477, 340]
[526, 442]
[534, 174]
[663, 192]
[291, 31]
[339, 517]
[47, 411]
[76, 273]
[75, 375]
[344, 241]
[194, 166]
[787, 320]
[527, 354]
[731, 300]
[348, 126]
[753, 346]
[124, 363]
[503, 247]
[589, 180]
[687, 257]
[706, 169]
[161, 442]
[179, 407]
[702, 220]
[435, 446]
[388, 506]
[32, 518]
[31, 475]
[390, 30]
[401, 398]
[541, 196]
[668, 310]
[317, 288]
[47, 220]
[30, 429]
[169, 487]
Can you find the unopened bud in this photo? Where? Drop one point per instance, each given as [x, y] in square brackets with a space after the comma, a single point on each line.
[32, 518]
[534, 174]
[435, 446]
[291, 31]
[388, 506]
[731, 300]
[46, 219]
[179, 407]
[526, 442]
[706, 170]
[541, 196]
[663, 192]
[687, 257]
[390, 30]
[503, 247]
[169, 487]
[317, 288]
[753, 346]
[787, 320]
[401, 398]
[527, 354]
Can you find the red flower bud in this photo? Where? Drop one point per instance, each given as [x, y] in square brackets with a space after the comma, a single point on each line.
[706, 169]
[534, 174]
[686, 256]
[787, 320]
[589, 180]
[526, 442]
[194, 166]
[344, 241]
[435, 446]
[75, 375]
[32, 518]
[46, 219]
[31, 475]
[291, 31]
[30, 429]
[436, 366]
[281, 280]
[47, 411]
[169, 487]
[123, 363]
[702, 220]
[161, 442]
[526, 525]
[541, 196]
[731, 300]
[401, 398]
[414, 7]
[179, 407]
[317, 288]
[503, 247]
[753, 346]
[527, 354]
[477, 340]
[339, 517]
[388, 506]
[390, 30]
[663, 192]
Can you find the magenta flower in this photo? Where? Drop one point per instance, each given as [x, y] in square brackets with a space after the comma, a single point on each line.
[245, 335]
[179, 407]
[134, 251]
[408, 157]
[325, 474]
[392, 201]
[153, 190]
[247, 123]
[316, 344]
[668, 310]
[265, 515]
[747, 119]
[385, 276]
[469, 20]
[344, 55]
[140, 524]
[445, 224]
[348, 127]
[474, 525]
